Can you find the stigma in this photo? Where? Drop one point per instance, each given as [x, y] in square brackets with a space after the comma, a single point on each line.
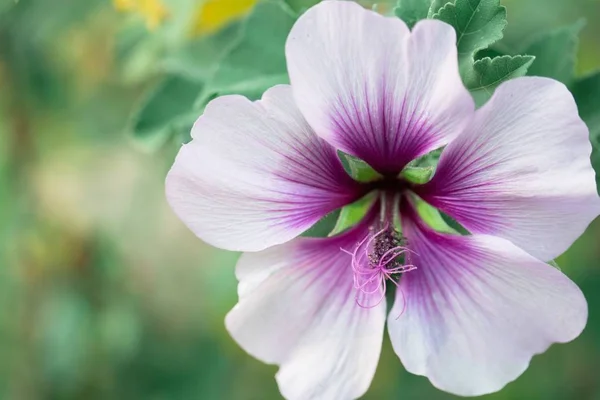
[380, 257]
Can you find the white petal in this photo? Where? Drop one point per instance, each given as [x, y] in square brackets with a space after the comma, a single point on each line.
[372, 88]
[522, 170]
[255, 174]
[297, 309]
[476, 309]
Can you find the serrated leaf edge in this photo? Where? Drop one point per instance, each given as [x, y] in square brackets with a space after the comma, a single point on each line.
[485, 59]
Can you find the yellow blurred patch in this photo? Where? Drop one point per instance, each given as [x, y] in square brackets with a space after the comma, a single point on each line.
[151, 10]
[213, 14]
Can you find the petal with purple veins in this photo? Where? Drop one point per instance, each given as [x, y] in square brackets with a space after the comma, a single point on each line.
[476, 309]
[521, 170]
[374, 89]
[298, 309]
[255, 174]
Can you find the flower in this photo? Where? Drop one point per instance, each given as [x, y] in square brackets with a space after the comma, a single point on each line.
[214, 14]
[470, 311]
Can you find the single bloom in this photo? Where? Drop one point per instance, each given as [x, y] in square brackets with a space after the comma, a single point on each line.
[470, 310]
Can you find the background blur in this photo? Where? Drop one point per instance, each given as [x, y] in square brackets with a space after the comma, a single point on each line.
[104, 294]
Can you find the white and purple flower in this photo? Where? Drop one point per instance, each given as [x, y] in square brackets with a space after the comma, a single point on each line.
[470, 311]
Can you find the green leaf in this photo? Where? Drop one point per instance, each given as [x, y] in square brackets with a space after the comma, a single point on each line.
[358, 169]
[253, 90]
[352, 214]
[418, 175]
[556, 53]
[301, 5]
[488, 73]
[490, 52]
[166, 109]
[136, 53]
[435, 7]
[257, 61]
[6, 4]
[587, 95]
[478, 24]
[200, 58]
[411, 11]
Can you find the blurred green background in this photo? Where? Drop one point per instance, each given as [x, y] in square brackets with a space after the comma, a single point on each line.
[104, 294]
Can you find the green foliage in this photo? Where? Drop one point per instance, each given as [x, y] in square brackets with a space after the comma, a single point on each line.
[435, 7]
[411, 11]
[478, 24]
[490, 52]
[246, 58]
[587, 94]
[301, 5]
[165, 110]
[6, 4]
[199, 58]
[67, 335]
[257, 61]
[136, 53]
[488, 73]
[556, 53]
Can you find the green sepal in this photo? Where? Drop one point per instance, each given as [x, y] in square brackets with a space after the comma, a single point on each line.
[359, 170]
[325, 225]
[430, 159]
[435, 219]
[352, 214]
[418, 175]
[452, 223]
[431, 216]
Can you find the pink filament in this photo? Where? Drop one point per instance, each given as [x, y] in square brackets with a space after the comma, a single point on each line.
[369, 277]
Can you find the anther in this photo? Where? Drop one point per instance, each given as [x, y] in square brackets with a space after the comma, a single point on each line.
[381, 256]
